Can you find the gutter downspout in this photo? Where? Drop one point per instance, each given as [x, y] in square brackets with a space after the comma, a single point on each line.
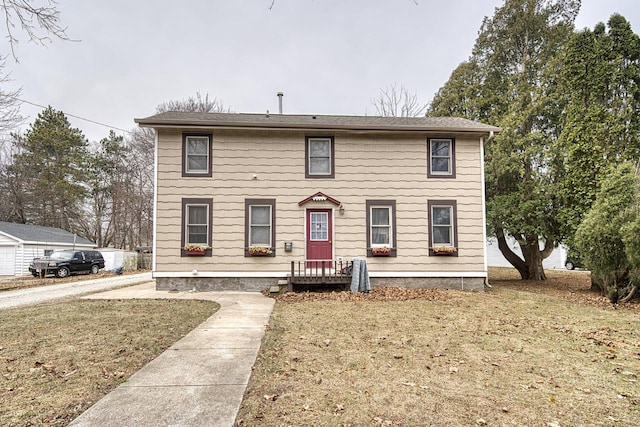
[491, 136]
[484, 206]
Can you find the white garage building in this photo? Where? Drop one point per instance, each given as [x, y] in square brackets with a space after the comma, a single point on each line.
[20, 243]
[495, 258]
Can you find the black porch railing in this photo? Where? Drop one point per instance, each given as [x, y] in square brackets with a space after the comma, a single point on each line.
[321, 273]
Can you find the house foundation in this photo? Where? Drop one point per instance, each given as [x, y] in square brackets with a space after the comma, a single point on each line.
[258, 284]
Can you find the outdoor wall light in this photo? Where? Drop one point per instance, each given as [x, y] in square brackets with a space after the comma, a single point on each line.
[341, 209]
[255, 176]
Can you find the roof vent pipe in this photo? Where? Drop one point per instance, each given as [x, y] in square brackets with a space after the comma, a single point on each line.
[280, 95]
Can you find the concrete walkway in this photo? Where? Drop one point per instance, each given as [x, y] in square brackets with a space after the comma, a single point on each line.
[26, 296]
[201, 379]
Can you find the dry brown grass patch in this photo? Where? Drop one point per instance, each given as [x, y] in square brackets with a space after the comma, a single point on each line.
[57, 359]
[510, 356]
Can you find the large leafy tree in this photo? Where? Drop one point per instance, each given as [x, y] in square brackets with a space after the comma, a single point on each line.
[607, 237]
[49, 165]
[601, 78]
[510, 80]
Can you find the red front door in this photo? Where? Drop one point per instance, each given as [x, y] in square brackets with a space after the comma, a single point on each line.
[319, 237]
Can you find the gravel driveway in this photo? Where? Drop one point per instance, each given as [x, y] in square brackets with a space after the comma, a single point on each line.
[20, 297]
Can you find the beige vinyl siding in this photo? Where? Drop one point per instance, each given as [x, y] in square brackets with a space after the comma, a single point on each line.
[367, 166]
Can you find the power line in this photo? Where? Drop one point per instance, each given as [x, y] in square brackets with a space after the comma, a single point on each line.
[78, 117]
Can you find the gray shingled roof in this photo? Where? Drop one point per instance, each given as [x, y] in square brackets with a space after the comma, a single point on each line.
[35, 233]
[316, 122]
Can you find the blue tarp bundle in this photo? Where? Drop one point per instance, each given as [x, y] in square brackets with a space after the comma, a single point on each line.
[360, 276]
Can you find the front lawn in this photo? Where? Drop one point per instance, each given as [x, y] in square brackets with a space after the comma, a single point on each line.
[521, 353]
[59, 358]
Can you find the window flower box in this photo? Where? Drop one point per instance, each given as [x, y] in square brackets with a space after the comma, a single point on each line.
[444, 250]
[195, 250]
[260, 251]
[381, 251]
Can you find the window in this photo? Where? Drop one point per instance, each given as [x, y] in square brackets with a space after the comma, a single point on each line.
[260, 229]
[319, 226]
[443, 231]
[197, 223]
[381, 225]
[196, 158]
[441, 153]
[319, 153]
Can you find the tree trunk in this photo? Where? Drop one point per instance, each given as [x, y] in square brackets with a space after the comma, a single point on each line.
[597, 285]
[509, 255]
[531, 267]
[533, 259]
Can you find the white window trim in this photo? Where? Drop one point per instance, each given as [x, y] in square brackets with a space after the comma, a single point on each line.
[251, 224]
[449, 157]
[187, 224]
[186, 154]
[311, 231]
[451, 225]
[309, 140]
[389, 226]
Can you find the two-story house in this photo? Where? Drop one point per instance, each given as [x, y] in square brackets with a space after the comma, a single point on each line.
[258, 193]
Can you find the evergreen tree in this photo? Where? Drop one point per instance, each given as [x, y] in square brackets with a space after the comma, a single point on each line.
[601, 79]
[511, 81]
[607, 238]
[51, 159]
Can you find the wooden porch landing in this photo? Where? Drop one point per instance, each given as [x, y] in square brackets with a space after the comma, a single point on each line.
[317, 275]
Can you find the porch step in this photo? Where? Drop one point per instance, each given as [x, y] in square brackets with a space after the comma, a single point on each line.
[282, 283]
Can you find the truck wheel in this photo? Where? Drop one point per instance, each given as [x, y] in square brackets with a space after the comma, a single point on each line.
[62, 272]
[94, 269]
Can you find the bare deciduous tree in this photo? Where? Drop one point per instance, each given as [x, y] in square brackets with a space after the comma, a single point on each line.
[39, 22]
[398, 103]
[9, 108]
[200, 103]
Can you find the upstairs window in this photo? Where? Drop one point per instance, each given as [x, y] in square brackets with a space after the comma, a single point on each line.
[196, 158]
[441, 153]
[319, 161]
[197, 223]
[381, 226]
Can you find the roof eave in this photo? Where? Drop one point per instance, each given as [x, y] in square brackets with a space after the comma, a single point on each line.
[11, 236]
[288, 126]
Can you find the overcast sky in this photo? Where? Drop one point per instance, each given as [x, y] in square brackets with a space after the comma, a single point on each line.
[327, 56]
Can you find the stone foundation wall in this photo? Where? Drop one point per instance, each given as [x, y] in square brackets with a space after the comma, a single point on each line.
[203, 284]
[459, 283]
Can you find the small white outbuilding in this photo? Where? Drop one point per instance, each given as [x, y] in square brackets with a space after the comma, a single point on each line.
[20, 243]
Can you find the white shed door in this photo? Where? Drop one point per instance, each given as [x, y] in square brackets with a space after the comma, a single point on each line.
[7, 260]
